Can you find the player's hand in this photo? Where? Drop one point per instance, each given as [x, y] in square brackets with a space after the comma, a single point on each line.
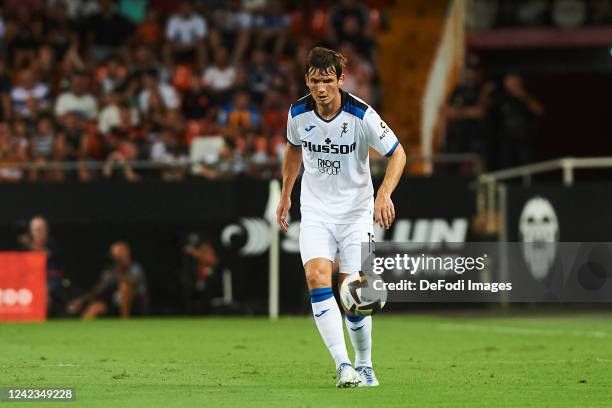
[282, 213]
[384, 211]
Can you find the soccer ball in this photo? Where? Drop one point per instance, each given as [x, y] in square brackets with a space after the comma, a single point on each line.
[359, 296]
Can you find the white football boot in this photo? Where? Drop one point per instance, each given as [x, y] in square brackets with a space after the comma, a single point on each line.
[367, 377]
[347, 376]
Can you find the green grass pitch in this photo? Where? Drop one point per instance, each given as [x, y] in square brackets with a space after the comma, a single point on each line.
[421, 361]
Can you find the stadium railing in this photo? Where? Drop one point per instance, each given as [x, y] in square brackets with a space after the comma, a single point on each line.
[378, 164]
[491, 200]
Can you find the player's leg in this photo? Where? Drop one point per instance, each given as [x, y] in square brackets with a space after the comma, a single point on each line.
[350, 238]
[126, 298]
[94, 309]
[325, 308]
[318, 247]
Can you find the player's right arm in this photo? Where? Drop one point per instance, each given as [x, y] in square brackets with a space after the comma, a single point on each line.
[292, 163]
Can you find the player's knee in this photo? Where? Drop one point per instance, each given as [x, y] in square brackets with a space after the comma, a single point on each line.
[318, 278]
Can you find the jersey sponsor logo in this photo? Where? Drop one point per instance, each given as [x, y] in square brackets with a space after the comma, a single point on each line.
[344, 128]
[309, 128]
[329, 148]
[331, 167]
[385, 130]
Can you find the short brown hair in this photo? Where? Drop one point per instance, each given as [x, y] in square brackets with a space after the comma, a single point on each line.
[326, 61]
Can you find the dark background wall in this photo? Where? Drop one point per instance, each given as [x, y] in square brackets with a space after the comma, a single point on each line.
[573, 85]
[156, 217]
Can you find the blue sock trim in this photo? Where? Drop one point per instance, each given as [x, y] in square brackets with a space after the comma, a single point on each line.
[319, 295]
[320, 298]
[354, 319]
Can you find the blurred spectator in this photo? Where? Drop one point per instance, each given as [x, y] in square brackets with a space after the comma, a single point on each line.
[107, 31]
[43, 146]
[128, 124]
[154, 92]
[232, 29]
[259, 74]
[465, 112]
[358, 74]
[13, 150]
[110, 114]
[149, 31]
[71, 139]
[197, 101]
[60, 32]
[515, 113]
[24, 34]
[272, 27]
[220, 77]
[240, 114]
[165, 149]
[38, 239]
[30, 96]
[198, 266]
[78, 99]
[112, 75]
[45, 66]
[349, 22]
[186, 32]
[231, 161]
[351, 33]
[344, 10]
[125, 152]
[5, 91]
[274, 111]
[121, 290]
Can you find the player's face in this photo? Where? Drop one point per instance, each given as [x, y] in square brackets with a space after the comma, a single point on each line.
[324, 87]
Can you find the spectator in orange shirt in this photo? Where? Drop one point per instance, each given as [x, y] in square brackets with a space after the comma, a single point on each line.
[240, 114]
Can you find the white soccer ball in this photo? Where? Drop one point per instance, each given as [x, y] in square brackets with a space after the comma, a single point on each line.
[359, 295]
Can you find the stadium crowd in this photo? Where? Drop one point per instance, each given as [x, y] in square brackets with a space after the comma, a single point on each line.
[117, 81]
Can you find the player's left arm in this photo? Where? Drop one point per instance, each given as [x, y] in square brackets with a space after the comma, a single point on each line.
[384, 211]
[382, 138]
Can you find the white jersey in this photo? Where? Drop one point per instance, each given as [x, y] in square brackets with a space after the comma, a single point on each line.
[337, 185]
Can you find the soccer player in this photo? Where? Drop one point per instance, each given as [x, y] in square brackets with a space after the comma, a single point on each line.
[330, 131]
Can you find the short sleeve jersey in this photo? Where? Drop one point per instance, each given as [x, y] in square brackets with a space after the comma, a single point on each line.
[337, 185]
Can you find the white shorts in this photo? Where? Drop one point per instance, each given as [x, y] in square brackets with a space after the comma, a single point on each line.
[322, 240]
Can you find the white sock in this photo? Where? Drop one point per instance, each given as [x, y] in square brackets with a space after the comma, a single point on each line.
[329, 322]
[360, 331]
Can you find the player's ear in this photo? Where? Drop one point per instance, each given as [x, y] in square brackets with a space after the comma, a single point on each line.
[306, 79]
[341, 80]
